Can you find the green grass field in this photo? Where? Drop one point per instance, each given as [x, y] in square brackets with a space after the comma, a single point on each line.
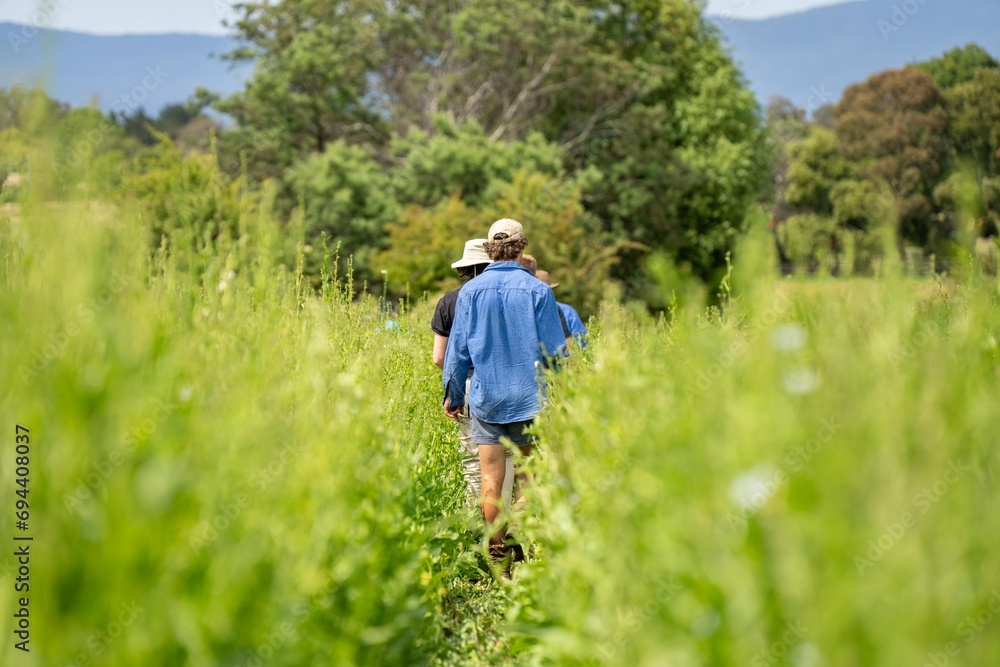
[228, 468]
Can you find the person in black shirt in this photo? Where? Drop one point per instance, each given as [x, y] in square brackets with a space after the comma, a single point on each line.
[474, 260]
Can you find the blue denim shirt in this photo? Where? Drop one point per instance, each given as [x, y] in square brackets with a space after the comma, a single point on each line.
[573, 322]
[505, 321]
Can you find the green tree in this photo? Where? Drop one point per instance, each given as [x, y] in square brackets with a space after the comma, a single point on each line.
[27, 109]
[975, 131]
[89, 151]
[311, 84]
[186, 201]
[173, 117]
[958, 66]
[424, 241]
[975, 120]
[785, 123]
[641, 92]
[463, 161]
[893, 127]
[138, 125]
[344, 195]
[834, 216]
[682, 161]
[815, 167]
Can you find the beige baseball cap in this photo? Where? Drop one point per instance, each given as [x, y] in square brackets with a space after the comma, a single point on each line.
[512, 228]
[473, 254]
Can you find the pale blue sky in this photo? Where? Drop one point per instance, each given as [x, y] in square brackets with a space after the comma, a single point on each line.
[205, 16]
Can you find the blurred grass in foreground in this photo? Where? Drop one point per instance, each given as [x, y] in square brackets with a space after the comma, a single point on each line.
[229, 469]
[805, 479]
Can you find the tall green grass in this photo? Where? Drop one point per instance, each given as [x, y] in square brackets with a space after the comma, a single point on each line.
[806, 479]
[262, 471]
[231, 468]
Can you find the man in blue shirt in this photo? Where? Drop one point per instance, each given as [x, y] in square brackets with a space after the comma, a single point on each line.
[506, 326]
[474, 261]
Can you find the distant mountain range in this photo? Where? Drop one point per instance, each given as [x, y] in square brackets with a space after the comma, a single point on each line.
[813, 56]
[132, 70]
[809, 57]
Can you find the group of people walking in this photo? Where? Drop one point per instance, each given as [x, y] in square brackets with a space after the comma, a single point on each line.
[492, 338]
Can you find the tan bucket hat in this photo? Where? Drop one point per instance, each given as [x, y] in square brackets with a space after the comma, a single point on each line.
[473, 254]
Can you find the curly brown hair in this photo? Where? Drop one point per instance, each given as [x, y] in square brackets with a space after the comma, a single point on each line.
[505, 252]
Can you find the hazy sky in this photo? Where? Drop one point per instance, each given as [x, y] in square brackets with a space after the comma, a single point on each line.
[205, 16]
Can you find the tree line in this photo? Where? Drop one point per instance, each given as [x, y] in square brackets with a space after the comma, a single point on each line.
[621, 134]
[909, 158]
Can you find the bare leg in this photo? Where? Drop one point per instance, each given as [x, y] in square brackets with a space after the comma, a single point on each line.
[508, 480]
[493, 463]
[470, 463]
[522, 480]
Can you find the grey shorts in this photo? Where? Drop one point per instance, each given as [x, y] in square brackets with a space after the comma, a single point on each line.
[486, 433]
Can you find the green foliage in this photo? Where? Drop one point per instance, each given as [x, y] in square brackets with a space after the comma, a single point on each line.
[811, 241]
[236, 469]
[27, 109]
[685, 160]
[90, 150]
[311, 70]
[566, 242]
[184, 123]
[14, 156]
[346, 197]
[975, 130]
[464, 162]
[958, 66]
[185, 202]
[893, 126]
[815, 168]
[975, 120]
[971, 203]
[643, 95]
[423, 243]
[216, 453]
[900, 150]
[802, 420]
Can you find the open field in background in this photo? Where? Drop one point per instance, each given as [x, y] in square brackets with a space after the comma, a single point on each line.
[229, 469]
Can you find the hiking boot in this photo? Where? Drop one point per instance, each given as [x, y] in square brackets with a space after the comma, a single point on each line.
[516, 550]
[501, 554]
